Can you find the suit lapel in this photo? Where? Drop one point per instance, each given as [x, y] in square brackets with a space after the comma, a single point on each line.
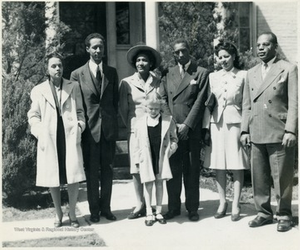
[104, 79]
[270, 77]
[175, 80]
[189, 75]
[47, 93]
[137, 82]
[87, 79]
[257, 76]
[66, 91]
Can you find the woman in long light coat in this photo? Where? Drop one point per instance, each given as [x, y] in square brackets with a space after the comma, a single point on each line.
[56, 119]
[227, 153]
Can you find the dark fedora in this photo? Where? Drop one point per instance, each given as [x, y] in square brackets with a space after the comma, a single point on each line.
[133, 52]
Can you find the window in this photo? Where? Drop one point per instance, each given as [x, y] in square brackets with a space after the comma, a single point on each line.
[244, 26]
[122, 23]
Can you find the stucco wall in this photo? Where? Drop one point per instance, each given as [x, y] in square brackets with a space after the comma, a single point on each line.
[281, 19]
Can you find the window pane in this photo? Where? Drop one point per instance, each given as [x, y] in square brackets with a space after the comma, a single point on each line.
[122, 22]
[244, 39]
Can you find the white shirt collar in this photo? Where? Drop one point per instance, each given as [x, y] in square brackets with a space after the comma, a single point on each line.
[149, 79]
[93, 67]
[186, 66]
[269, 62]
[152, 122]
[231, 72]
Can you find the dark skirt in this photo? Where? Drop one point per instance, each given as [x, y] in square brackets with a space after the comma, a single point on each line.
[61, 150]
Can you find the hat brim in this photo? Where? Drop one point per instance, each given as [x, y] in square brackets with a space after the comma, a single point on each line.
[132, 52]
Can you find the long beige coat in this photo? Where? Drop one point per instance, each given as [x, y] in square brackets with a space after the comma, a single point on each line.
[42, 118]
[142, 152]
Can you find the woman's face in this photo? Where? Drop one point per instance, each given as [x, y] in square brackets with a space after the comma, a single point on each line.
[226, 60]
[55, 68]
[142, 63]
[153, 109]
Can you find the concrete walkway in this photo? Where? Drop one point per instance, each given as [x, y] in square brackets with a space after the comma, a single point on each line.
[179, 233]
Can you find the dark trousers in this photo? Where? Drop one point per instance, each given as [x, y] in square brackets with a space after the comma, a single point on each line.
[185, 162]
[98, 159]
[267, 161]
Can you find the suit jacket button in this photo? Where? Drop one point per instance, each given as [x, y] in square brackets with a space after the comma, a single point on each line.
[270, 115]
[270, 101]
[252, 89]
[274, 88]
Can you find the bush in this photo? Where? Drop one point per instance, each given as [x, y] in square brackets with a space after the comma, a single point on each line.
[23, 53]
[19, 148]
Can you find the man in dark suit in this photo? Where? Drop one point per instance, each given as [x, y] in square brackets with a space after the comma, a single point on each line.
[269, 123]
[186, 87]
[99, 87]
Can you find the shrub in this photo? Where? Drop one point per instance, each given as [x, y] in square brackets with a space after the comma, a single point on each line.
[23, 52]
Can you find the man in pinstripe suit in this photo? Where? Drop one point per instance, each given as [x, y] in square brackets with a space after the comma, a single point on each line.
[269, 123]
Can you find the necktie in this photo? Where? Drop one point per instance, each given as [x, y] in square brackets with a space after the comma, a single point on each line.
[98, 74]
[182, 73]
[265, 70]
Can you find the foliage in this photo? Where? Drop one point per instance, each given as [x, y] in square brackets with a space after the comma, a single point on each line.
[23, 52]
[192, 21]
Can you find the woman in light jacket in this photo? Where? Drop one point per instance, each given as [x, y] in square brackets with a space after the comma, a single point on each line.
[56, 119]
[227, 153]
[133, 91]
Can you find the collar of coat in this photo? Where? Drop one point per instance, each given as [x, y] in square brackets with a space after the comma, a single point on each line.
[256, 74]
[138, 82]
[165, 124]
[45, 90]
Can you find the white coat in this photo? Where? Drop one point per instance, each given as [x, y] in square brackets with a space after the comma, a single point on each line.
[142, 152]
[42, 118]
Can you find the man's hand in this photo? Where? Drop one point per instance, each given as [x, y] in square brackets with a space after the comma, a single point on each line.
[289, 140]
[183, 131]
[245, 140]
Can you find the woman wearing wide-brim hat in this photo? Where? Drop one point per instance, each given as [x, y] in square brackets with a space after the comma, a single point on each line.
[133, 91]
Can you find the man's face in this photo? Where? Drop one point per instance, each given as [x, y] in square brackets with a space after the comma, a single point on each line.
[266, 49]
[181, 53]
[96, 50]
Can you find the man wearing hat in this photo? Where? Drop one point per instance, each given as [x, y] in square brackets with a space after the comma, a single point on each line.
[186, 87]
[133, 91]
[99, 87]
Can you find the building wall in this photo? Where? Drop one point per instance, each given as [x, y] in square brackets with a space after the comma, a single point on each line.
[280, 18]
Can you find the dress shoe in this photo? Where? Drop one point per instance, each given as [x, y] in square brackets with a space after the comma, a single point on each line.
[219, 215]
[259, 221]
[73, 223]
[284, 225]
[108, 215]
[138, 214]
[193, 216]
[171, 214]
[58, 223]
[94, 218]
[236, 217]
[149, 220]
[160, 219]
